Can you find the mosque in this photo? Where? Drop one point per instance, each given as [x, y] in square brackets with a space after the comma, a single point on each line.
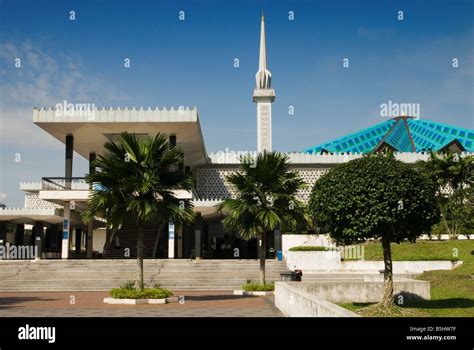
[51, 213]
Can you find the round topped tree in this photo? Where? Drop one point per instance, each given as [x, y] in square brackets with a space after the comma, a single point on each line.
[375, 197]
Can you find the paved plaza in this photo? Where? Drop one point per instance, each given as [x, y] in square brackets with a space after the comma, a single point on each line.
[89, 304]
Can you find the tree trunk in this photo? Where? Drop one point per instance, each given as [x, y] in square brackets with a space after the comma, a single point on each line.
[140, 251]
[263, 251]
[387, 299]
[445, 222]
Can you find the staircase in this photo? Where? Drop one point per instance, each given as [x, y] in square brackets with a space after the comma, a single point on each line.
[104, 274]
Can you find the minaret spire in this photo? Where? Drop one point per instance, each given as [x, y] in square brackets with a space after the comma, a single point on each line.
[263, 77]
[263, 96]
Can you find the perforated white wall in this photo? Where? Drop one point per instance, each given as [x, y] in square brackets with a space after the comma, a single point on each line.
[212, 183]
[32, 201]
[309, 176]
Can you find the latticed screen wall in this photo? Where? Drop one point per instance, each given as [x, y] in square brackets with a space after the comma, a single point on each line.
[309, 176]
[212, 184]
[32, 201]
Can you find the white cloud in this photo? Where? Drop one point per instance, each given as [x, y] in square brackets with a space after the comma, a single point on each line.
[43, 80]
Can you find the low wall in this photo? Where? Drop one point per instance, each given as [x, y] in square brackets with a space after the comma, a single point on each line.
[365, 291]
[330, 261]
[314, 261]
[292, 301]
[291, 240]
[399, 267]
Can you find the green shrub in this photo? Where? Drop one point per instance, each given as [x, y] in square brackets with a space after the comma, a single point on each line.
[303, 248]
[254, 287]
[129, 285]
[147, 293]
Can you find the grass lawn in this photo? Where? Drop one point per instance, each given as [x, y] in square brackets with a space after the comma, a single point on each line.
[452, 292]
[427, 250]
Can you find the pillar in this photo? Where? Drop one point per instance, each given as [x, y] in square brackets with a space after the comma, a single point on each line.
[38, 246]
[20, 234]
[67, 204]
[278, 249]
[171, 229]
[3, 232]
[39, 238]
[66, 231]
[68, 163]
[90, 226]
[197, 235]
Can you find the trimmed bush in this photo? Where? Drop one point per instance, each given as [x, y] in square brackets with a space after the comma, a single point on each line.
[254, 287]
[303, 248]
[147, 293]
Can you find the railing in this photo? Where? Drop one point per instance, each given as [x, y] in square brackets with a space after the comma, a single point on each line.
[59, 183]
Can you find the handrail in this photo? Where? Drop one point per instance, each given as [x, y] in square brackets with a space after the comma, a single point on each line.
[59, 183]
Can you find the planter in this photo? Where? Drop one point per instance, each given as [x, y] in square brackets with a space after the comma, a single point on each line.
[253, 293]
[139, 301]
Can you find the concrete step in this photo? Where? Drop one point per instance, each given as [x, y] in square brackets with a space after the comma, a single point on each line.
[104, 274]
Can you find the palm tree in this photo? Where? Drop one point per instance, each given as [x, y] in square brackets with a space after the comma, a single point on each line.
[451, 173]
[265, 199]
[135, 181]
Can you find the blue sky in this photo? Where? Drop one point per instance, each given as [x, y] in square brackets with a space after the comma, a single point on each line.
[190, 63]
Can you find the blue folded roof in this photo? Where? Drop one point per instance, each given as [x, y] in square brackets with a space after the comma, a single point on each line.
[401, 134]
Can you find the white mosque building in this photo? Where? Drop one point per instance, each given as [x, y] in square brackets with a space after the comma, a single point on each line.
[51, 219]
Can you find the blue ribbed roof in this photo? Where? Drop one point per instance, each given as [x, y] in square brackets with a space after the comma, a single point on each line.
[402, 134]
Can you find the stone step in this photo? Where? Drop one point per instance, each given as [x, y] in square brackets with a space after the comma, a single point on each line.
[90, 275]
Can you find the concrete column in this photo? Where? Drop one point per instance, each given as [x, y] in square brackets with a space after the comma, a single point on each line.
[92, 158]
[39, 248]
[66, 231]
[197, 235]
[90, 226]
[20, 234]
[3, 232]
[171, 229]
[68, 163]
[278, 248]
[39, 237]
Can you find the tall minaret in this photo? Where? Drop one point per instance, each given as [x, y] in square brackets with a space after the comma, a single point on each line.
[263, 96]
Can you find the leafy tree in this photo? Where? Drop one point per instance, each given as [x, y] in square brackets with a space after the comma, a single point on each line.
[461, 210]
[135, 182]
[265, 199]
[375, 197]
[451, 173]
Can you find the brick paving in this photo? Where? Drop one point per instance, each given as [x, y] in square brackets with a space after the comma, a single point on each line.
[89, 304]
